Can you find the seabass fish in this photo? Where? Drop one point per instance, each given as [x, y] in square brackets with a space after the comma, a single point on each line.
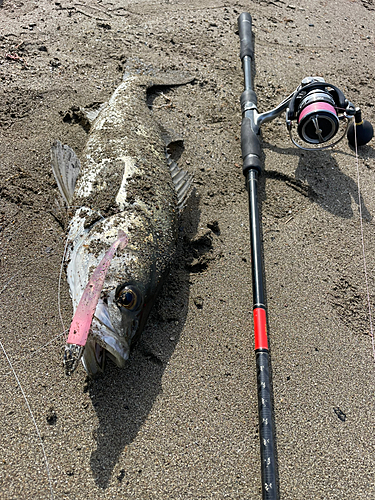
[127, 194]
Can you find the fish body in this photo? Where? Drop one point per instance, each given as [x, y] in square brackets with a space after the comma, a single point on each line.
[126, 185]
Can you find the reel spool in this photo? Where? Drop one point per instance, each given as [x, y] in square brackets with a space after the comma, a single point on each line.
[318, 108]
[317, 118]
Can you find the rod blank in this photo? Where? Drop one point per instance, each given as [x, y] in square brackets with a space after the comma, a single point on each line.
[251, 153]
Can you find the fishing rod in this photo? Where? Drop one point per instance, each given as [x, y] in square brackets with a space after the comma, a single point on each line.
[320, 113]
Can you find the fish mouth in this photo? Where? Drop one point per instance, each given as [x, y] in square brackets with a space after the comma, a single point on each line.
[104, 334]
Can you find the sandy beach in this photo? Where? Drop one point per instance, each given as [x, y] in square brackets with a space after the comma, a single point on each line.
[180, 421]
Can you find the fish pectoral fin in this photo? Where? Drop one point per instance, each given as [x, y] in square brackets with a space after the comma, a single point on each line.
[65, 168]
[183, 182]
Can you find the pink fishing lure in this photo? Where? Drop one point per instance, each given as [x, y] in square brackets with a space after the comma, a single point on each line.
[82, 319]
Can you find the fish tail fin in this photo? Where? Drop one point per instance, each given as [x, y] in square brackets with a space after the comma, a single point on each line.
[154, 77]
[134, 66]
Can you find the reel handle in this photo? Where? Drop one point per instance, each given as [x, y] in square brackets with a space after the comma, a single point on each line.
[363, 130]
[246, 37]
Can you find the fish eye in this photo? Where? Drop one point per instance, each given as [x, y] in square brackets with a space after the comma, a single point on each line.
[128, 297]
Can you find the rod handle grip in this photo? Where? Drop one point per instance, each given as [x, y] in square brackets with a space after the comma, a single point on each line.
[251, 148]
[246, 37]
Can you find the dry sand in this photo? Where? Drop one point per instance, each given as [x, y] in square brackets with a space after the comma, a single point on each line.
[181, 420]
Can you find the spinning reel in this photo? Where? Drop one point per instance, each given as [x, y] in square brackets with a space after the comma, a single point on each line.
[318, 108]
[321, 112]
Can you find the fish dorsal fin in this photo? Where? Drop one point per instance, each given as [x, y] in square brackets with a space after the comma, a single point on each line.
[65, 168]
[182, 180]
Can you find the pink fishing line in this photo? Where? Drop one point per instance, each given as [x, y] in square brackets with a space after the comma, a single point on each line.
[82, 319]
[317, 106]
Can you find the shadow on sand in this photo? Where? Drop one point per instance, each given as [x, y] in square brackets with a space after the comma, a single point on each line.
[319, 175]
[123, 398]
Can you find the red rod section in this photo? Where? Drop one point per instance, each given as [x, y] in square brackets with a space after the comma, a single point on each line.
[260, 328]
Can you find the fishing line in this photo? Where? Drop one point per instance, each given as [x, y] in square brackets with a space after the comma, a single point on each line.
[17, 230]
[32, 418]
[363, 245]
[9, 281]
[29, 356]
[59, 287]
[53, 339]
